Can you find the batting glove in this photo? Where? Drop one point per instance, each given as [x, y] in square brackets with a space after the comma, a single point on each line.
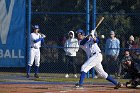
[43, 36]
[92, 33]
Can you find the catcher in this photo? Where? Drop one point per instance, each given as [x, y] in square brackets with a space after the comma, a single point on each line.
[133, 69]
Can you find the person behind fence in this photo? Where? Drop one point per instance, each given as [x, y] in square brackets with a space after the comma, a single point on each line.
[132, 45]
[71, 46]
[94, 61]
[81, 35]
[133, 69]
[112, 49]
[36, 39]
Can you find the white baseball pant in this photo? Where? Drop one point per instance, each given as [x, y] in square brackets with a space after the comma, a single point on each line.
[34, 56]
[95, 61]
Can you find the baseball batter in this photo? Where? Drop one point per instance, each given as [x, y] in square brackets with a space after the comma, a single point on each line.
[36, 39]
[94, 61]
[85, 47]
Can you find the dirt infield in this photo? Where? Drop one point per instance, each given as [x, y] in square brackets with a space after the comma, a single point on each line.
[55, 83]
[61, 88]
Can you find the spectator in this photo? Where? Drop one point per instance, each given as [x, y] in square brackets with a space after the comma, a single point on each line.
[71, 47]
[112, 49]
[131, 45]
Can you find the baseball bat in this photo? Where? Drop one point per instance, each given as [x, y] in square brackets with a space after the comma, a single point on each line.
[101, 20]
[93, 31]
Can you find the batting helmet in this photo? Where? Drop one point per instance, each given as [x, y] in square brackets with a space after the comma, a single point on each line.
[80, 31]
[36, 27]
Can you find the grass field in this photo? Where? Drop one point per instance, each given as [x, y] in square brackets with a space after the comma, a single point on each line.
[49, 77]
[61, 78]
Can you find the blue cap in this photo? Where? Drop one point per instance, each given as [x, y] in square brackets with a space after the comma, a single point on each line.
[80, 31]
[36, 27]
[112, 32]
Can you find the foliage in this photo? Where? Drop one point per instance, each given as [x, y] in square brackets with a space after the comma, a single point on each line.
[59, 16]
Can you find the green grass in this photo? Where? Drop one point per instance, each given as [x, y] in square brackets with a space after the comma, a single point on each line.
[90, 80]
[55, 77]
[4, 81]
[51, 77]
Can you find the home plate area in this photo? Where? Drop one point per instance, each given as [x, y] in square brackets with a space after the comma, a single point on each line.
[62, 88]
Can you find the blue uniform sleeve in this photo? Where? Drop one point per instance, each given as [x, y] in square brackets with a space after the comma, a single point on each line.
[40, 39]
[97, 40]
[84, 41]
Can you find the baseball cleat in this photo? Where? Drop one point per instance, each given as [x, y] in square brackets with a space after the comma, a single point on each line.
[117, 86]
[134, 84]
[67, 76]
[27, 76]
[75, 75]
[95, 76]
[36, 76]
[78, 86]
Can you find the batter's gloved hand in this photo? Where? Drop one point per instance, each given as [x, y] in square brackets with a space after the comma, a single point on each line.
[43, 36]
[92, 33]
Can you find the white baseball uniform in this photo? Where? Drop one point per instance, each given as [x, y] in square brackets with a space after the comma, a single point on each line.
[35, 49]
[86, 48]
[95, 59]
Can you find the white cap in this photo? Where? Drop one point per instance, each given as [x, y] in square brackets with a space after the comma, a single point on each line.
[131, 38]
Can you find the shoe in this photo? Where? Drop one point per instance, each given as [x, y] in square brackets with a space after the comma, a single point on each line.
[36, 76]
[78, 86]
[117, 86]
[75, 75]
[67, 76]
[27, 76]
[95, 76]
[134, 84]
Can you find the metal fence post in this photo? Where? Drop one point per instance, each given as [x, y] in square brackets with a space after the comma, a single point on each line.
[94, 14]
[87, 17]
[29, 30]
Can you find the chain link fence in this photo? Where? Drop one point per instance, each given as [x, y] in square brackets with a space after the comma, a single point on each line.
[122, 17]
[57, 17]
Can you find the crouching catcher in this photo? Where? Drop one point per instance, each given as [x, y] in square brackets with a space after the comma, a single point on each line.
[133, 69]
